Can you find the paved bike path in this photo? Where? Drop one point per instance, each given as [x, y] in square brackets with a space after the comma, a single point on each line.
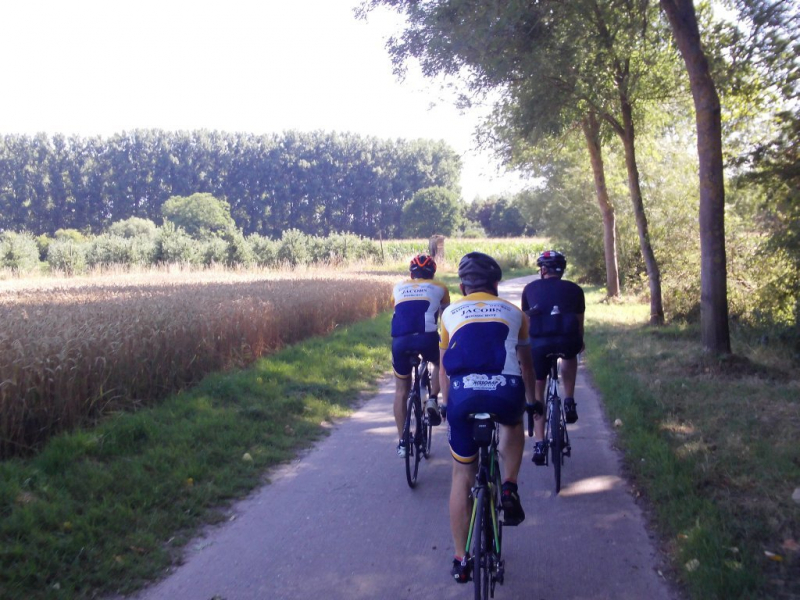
[341, 523]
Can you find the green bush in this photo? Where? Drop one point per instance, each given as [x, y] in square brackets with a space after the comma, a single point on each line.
[67, 256]
[72, 235]
[43, 243]
[214, 251]
[471, 229]
[340, 248]
[18, 252]
[173, 245]
[238, 252]
[293, 248]
[265, 250]
[133, 227]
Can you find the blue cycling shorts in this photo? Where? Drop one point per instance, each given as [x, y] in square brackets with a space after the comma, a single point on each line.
[426, 344]
[499, 395]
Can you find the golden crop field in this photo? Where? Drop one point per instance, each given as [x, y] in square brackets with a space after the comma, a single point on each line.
[72, 350]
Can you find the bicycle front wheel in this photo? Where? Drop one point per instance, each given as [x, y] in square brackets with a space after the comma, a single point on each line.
[411, 433]
[556, 442]
[427, 437]
[481, 559]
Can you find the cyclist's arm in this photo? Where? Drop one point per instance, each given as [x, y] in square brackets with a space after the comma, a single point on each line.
[444, 380]
[528, 374]
[580, 328]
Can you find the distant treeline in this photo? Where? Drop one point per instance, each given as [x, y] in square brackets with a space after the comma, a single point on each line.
[318, 182]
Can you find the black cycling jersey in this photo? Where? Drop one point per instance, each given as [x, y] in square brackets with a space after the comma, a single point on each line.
[544, 294]
[553, 333]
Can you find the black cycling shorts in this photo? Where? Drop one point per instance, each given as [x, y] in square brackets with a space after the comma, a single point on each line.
[569, 346]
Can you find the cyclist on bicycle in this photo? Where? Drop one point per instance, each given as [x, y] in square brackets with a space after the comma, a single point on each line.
[418, 302]
[556, 308]
[486, 367]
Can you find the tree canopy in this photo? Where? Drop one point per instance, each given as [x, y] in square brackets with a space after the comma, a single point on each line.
[430, 211]
[317, 182]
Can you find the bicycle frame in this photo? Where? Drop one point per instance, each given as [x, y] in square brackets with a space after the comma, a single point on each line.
[418, 441]
[486, 487]
[556, 435]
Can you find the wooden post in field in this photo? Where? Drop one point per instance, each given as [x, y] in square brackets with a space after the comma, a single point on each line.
[436, 247]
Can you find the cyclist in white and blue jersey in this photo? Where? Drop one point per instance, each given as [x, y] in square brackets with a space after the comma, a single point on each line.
[486, 367]
[418, 301]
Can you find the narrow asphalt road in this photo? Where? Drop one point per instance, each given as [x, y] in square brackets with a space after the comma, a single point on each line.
[341, 523]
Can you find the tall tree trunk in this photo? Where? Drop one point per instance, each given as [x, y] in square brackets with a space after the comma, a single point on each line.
[713, 262]
[627, 133]
[591, 130]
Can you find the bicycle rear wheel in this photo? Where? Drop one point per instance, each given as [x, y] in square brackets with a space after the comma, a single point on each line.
[481, 560]
[411, 433]
[556, 441]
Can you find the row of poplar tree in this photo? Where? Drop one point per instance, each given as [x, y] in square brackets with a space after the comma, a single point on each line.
[315, 182]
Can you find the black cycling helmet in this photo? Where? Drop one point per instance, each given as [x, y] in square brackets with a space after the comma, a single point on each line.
[477, 269]
[554, 261]
[422, 266]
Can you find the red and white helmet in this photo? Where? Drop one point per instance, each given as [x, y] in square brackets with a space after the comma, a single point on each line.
[422, 267]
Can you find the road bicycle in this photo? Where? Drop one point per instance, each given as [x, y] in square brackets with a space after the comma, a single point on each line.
[556, 436]
[486, 530]
[417, 430]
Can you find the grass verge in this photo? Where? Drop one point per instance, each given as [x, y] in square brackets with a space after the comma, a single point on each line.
[713, 445]
[90, 513]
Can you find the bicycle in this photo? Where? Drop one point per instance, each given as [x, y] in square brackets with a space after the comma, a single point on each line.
[486, 530]
[417, 430]
[556, 436]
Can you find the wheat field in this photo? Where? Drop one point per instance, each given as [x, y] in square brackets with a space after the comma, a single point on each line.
[73, 350]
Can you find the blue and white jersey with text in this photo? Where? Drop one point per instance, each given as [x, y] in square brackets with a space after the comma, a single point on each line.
[416, 306]
[480, 334]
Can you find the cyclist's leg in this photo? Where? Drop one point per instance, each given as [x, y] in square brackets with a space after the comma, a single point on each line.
[569, 371]
[401, 388]
[508, 407]
[429, 348]
[541, 366]
[402, 380]
[510, 447]
[435, 386]
[465, 464]
[460, 504]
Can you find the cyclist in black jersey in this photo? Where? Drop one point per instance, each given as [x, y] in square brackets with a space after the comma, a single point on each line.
[556, 309]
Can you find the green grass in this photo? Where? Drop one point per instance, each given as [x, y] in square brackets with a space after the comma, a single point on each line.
[103, 510]
[712, 444]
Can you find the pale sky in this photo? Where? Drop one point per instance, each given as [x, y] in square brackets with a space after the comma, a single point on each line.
[98, 67]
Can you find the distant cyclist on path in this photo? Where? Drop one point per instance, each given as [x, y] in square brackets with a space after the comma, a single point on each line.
[417, 302]
[556, 309]
[486, 367]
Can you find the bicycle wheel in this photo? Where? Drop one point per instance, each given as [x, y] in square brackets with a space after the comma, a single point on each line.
[480, 548]
[495, 542]
[411, 433]
[556, 441]
[427, 436]
[425, 378]
[427, 428]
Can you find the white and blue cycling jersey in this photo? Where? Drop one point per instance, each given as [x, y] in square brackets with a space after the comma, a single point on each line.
[416, 306]
[480, 334]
